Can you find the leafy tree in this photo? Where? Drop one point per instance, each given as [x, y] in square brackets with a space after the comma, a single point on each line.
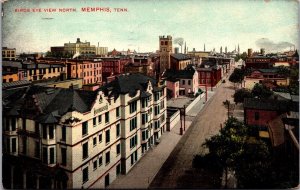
[261, 91]
[242, 56]
[241, 94]
[237, 76]
[284, 71]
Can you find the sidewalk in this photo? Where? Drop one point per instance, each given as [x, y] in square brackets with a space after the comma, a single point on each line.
[142, 174]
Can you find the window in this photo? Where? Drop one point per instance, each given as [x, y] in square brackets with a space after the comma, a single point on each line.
[133, 157]
[13, 145]
[156, 110]
[84, 128]
[144, 133]
[63, 156]
[106, 117]
[85, 175]
[118, 149]
[118, 170]
[24, 124]
[156, 96]
[162, 104]
[162, 118]
[94, 141]
[95, 164]
[183, 82]
[144, 118]
[118, 129]
[156, 124]
[85, 150]
[107, 136]
[189, 82]
[100, 161]
[13, 124]
[256, 115]
[45, 155]
[144, 102]
[133, 141]
[63, 133]
[51, 132]
[118, 112]
[37, 150]
[107, 157]
[52, 155]
[133, 123]
[94, 121]
[133, 106]
[24, 145]
[100, 138]
[44, 132]
[99, 118]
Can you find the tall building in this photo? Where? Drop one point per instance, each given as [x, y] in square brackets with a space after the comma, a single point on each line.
[165, 51]
[8, 53]
[82, 48]
[57, 138]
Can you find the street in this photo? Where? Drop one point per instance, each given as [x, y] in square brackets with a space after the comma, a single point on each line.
[206, 124]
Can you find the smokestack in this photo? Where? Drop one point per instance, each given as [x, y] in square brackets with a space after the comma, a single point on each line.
[250, 52]
[98, 44]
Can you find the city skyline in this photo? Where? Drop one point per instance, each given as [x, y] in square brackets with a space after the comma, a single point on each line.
[212, 23]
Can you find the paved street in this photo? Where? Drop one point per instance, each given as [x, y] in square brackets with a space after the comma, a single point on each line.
[145, 170]
[207, 123]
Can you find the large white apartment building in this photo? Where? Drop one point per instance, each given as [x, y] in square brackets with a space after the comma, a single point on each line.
[67, 138]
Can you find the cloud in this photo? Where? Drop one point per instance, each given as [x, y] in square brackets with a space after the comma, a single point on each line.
[271, 46]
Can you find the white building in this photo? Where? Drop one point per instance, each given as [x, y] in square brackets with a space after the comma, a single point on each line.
[67, 138]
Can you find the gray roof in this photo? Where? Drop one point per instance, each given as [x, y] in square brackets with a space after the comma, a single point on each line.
[270, 104]
[187, 73]
[52, 102]
[16, 84]
[128, 83]
[180, 56]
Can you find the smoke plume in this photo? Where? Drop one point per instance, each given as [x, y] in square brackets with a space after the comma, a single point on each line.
[271, 46]
[178, 41]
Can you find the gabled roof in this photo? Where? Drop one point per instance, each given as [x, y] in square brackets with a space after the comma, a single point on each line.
[128, 83]
[52, 102]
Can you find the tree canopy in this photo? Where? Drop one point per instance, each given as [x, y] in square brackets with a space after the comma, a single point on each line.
[241, 94]
[261, 91]
[237, 76]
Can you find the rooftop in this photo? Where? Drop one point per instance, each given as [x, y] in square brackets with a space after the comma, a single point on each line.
[180, 56]
[270, 104]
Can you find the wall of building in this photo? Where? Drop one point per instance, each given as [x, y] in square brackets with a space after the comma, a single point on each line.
[264, 117]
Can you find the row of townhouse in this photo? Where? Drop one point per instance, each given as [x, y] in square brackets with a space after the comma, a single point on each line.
[68, 138]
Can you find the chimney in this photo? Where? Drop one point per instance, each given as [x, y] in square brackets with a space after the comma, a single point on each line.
[78, 40]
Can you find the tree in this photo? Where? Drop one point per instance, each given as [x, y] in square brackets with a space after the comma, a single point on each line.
[241, 94]
[261, 91]
[237, 76]
[242, 56]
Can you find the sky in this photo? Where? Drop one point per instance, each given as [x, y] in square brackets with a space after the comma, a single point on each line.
[252, 24]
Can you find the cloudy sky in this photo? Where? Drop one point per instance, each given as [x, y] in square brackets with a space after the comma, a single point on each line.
[251, 24]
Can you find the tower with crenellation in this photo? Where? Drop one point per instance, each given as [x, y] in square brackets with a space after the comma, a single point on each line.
[165, 51]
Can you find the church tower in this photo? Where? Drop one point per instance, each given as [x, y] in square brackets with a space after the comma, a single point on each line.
[165, 51]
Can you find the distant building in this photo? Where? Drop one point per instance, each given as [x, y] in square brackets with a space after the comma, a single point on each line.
[259, 112]
[179, 61]
[258, 62]
[188, 81]
[101, 51]
[33, 71]
[113, 66]
[89, 70]
[209, 76]
[8, 53]
[165, 51]
[142, 65]
[259, 76]
[84, 49]
[56, 138]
